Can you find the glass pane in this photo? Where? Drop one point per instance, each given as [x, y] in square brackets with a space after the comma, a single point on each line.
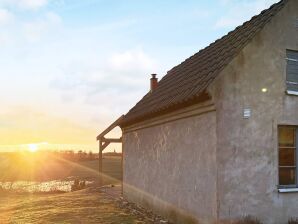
[287, 157]
[287, 176]
[286, 136]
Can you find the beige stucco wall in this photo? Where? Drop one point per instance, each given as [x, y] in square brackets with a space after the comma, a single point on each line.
[171, 168]
[220, 164]
[247, 151]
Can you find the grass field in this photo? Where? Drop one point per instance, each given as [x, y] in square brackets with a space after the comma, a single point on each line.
[90, 205]
[84, 206]
[33, 171]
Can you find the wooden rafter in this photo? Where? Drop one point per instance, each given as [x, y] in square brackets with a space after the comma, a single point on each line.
[104, 145]
[110, 128]
[114, 140]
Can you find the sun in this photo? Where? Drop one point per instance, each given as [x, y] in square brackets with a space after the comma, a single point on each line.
[33, 147]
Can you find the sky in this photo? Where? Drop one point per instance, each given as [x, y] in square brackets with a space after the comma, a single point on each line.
[69, 68]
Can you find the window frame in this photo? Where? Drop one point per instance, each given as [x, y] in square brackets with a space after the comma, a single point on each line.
[292, 186]
[288, 91]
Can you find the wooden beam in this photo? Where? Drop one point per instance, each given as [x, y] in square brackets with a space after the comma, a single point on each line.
[110, 128]
[111, 140]
[104, 145]
[100, 164]
[122, 166]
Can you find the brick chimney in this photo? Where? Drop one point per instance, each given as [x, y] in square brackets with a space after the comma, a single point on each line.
[153, 82]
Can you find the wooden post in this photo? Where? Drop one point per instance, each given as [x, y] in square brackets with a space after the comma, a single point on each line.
[100, 164]
[122, 166]
[104, 142]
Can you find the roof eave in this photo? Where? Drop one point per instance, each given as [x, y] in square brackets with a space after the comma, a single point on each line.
[127, 121]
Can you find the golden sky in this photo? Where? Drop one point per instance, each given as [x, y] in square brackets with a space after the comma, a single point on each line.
[22, 126]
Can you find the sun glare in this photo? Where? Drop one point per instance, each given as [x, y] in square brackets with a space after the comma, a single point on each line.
[33, 147]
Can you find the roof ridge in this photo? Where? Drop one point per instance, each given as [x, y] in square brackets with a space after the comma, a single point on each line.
[203, 51]
[230, 32]
[188, 80]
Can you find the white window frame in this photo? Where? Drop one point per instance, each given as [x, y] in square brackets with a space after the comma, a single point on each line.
[291, 92]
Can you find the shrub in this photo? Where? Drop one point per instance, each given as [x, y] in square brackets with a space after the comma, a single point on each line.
[293, 221]
[248, 220]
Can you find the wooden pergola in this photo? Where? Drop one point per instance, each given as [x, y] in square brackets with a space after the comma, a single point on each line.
[104, 142]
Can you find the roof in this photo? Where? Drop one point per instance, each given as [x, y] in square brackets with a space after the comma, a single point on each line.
[186, 83]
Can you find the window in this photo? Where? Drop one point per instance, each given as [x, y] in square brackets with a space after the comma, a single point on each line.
[287, 137]
[292, 72]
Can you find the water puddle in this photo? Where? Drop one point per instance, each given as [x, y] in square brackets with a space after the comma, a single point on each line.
[35, 187]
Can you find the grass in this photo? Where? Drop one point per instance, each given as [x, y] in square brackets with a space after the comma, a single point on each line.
[83, 206]
[248, 220]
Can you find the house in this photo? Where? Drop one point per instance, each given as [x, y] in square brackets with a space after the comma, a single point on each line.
[216, 138]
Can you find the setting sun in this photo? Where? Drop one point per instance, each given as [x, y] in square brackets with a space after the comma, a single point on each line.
[33, 147]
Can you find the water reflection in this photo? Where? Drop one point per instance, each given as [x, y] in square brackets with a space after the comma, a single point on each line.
[34, 187]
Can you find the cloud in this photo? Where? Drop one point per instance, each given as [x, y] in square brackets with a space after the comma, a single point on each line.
[5, 39]
[131, 60]
[5, 17]
[32, 4]
[108, 87]
[24, 27]
[121, 70]
[24, 4]
[239, 11]
[53, 18]
[34, 30]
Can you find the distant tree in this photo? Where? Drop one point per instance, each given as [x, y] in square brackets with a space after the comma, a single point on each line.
[91, 155]
[80, 155]
[85, 155]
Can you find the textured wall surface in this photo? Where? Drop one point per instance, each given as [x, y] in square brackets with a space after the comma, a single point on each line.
[172, 168]
[247, 152]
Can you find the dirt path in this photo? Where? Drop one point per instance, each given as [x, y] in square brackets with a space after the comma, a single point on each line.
[91, 205]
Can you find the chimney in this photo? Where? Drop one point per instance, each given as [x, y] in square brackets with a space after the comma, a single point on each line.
[153, 82]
